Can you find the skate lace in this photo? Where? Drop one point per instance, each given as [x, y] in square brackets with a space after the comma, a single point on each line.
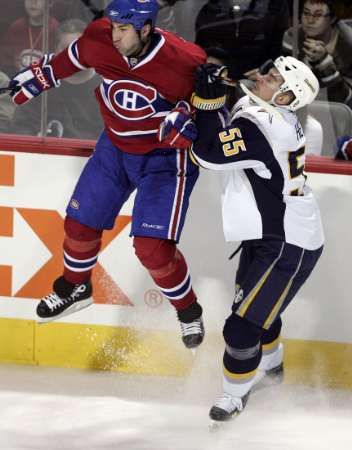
[194, 327]
[229, 403]
[53, 301]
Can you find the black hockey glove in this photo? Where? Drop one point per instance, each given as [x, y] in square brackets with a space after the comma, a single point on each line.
[210, 91]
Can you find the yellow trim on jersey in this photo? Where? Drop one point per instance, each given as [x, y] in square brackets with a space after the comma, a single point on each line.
[251, 296]
[279, 303]
[239, 376]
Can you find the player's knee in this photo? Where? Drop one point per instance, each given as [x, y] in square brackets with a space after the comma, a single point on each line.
[240, 333]
[80, 237]
[154, 253]
[273, 332]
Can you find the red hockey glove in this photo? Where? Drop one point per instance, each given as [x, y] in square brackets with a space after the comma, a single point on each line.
[178, 129]
[344, 148]
[32, 81]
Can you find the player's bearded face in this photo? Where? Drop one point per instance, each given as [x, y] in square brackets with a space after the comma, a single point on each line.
[126, 39]
[266, 85]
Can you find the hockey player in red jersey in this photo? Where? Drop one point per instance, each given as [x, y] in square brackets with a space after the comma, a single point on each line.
[146, 73]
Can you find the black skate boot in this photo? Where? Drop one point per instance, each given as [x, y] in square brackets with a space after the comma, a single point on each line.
[227, 407]
[65, 299]
[192, 328]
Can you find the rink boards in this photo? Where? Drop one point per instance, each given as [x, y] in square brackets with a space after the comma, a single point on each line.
[131, 327]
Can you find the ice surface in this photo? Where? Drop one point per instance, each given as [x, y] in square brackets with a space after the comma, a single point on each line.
[47, 408]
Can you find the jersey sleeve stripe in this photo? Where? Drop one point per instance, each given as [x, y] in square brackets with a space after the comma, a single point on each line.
[74, 56]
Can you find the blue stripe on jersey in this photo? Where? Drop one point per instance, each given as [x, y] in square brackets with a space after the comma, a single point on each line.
[75, 50]
[74, 55]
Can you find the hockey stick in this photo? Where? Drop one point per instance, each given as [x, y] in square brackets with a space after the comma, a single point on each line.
[8, 89]
[5, 90]
[97, 13]
[227, 81]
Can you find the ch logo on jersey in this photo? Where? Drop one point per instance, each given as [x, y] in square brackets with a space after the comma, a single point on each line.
[131, 100]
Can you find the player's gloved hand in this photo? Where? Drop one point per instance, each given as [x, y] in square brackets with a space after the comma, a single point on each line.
[178, 129]
[344, 148]
[210, 91]
[32, 81]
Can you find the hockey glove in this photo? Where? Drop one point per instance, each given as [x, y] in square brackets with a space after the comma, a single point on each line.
[210, 91]
[344, 148]
[178, 129]
[32, 81]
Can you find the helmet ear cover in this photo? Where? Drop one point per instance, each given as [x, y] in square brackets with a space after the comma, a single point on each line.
[299, 79]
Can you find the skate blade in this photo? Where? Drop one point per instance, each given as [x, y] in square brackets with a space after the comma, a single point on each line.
[72, 309]
[193, 351]
[217, 425]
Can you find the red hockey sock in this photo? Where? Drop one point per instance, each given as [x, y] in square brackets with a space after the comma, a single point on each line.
[176, 284]
[168, 268]
[81, 248]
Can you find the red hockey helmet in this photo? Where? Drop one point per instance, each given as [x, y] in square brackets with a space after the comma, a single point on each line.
[135, 12]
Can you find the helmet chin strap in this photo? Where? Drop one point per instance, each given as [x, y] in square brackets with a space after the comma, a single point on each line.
[269, 107]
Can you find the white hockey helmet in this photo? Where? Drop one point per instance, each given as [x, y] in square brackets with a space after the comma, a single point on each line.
[299, 79]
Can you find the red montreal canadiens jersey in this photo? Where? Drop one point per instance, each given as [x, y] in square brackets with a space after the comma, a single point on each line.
[133, 100]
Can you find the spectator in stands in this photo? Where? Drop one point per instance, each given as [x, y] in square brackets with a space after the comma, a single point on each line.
[249, 30]
[7, 107]
[23, 42]
[166, 16]
[325, 44]
[90, 10]
[71, 113]
[86, 10]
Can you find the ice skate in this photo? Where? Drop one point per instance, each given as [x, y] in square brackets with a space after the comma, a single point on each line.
[65, 299]
[226, 408]
[192, 328]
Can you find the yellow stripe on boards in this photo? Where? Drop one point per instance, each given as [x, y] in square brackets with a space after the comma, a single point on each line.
[313, 363]
[94, 347]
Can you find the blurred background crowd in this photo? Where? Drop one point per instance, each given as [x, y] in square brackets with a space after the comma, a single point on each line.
[243, 34]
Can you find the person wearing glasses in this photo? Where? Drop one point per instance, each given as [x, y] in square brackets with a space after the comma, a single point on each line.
[325, 44]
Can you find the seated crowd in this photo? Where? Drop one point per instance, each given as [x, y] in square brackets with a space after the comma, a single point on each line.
[241, 34]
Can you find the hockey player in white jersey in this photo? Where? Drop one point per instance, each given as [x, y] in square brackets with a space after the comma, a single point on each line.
[266, 204]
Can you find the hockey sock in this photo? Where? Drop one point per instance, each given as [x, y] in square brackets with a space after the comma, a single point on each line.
[175, 283]
[169, 270]
[81, 248]
[242, 354]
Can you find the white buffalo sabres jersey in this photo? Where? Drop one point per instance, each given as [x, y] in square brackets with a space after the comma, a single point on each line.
[265, 194]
